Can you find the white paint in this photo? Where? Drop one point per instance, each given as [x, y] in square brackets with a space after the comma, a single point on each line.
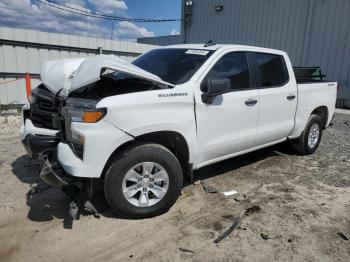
[58, 74]
[28, 128]
[71, 74]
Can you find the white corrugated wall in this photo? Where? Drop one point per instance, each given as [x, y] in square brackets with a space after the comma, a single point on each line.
[21, 59]
[313, 32]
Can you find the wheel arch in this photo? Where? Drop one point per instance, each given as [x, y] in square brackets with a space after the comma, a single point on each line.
[322, 111]
[172, 140]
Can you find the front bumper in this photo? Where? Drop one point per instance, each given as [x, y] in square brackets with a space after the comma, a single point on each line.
[35, 140]
[35, 144]
[28, 128]
[48, 171]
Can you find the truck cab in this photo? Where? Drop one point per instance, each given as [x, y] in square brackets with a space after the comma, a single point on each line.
[142, 127]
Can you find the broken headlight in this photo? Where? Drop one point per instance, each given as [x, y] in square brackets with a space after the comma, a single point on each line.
[85, 111]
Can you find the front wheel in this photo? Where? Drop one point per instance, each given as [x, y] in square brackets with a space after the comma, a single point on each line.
[310, 138]
[143, 182]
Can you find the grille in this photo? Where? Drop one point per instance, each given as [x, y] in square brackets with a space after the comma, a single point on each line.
[42, 109]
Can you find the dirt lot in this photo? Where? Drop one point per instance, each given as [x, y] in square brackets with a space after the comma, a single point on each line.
[304, 201]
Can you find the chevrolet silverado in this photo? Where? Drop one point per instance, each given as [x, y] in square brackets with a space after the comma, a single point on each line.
[142, 127]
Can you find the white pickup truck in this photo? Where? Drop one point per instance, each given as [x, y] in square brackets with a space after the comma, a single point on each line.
[143, 126]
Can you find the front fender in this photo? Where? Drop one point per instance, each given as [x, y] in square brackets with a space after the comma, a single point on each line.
[147, 112]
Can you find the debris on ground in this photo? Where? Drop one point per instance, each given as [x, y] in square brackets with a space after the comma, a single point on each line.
[186, 250]
[265, 237]
[89, 207]
[239, 198]
[236, 222]
[341, 234]
[292, 190]
[208, 189]
[234, 225]
[230, 193]
[36, 190]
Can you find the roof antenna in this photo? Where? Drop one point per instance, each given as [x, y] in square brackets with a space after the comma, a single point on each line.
[209, 43]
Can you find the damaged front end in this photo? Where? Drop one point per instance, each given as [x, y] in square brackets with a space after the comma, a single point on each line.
[69, 96]
[77, 189]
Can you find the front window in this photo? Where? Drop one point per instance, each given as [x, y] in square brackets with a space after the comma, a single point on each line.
[233, 66]
[173, 65]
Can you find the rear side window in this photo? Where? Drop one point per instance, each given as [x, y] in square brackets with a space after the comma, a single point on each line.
[233, 66]
[271, 69]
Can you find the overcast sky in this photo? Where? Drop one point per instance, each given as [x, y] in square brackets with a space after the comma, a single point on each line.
[31, 14]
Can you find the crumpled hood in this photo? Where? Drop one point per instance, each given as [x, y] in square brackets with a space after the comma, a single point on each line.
[57, 74]
[71, 74]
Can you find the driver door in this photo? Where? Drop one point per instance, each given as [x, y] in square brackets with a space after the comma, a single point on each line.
[228, 125]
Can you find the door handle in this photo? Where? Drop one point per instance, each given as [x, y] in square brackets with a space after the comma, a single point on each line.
[290, 97]
[251, 102]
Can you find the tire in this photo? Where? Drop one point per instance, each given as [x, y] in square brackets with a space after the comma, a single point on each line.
[302, 144]
[136, 161]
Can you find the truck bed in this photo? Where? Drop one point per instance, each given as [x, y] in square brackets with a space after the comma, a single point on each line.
[310, 95]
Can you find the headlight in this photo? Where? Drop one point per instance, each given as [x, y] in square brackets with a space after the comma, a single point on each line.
[85, 111]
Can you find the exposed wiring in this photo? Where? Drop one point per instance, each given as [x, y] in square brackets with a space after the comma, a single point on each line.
[99, 15]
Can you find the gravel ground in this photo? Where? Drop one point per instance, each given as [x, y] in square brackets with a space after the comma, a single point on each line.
[300, 203]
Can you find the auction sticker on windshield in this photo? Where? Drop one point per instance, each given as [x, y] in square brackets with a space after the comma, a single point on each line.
[197, 52]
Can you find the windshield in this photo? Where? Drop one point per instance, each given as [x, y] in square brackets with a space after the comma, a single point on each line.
[175, 66]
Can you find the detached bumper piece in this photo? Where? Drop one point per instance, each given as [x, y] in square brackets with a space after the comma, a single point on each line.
[77, 189]
[48, 174]
[35, 144]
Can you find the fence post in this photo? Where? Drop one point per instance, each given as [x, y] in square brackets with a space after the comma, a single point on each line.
[28, 84]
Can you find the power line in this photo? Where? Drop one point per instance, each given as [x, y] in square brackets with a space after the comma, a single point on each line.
[101, 16]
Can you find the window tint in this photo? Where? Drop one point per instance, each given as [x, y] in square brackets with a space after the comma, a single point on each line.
[271, 69]
[233, 66]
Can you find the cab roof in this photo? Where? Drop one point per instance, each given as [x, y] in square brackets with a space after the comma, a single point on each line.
[213, 47]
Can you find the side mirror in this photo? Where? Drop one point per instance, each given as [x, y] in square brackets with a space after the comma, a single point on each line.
[215, 87]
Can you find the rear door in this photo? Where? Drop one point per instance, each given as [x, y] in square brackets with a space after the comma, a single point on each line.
[277, 97]
[227, 125]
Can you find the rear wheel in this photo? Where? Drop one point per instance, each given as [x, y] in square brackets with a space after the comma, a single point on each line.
[143, 182]
[310, 138]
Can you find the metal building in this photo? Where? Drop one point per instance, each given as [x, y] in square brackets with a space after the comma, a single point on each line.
[313, 32]
[24, 51]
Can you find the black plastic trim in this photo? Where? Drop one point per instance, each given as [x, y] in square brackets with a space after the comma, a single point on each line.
[36, 144]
